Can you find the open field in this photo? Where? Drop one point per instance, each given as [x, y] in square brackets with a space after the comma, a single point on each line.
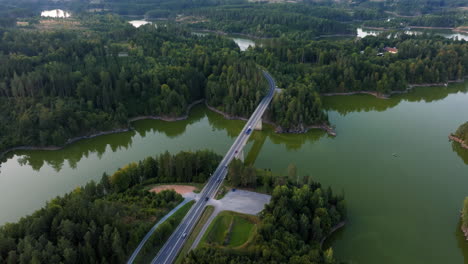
[231, 229]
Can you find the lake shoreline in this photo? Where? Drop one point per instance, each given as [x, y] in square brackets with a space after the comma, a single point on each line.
[387, 96]
[222, 33]
[169, 118]
[333, 230]
[454, 29]
[278, 129]
[102, 133]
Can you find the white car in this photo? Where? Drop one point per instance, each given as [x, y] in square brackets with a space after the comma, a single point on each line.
[184, 235]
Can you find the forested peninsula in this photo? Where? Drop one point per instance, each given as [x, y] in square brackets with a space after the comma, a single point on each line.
[104, 222]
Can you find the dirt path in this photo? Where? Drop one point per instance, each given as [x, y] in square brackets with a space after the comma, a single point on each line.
[187, 191]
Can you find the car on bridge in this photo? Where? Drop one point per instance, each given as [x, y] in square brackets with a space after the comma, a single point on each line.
[249, 129]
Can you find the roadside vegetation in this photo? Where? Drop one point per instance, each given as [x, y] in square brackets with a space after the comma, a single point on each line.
[161, 234]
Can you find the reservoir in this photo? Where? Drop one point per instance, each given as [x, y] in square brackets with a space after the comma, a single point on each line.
[402, 208]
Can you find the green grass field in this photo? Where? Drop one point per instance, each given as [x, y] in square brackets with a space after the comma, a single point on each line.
[230, 229]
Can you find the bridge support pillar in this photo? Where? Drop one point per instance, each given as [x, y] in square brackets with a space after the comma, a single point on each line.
[258, 126]
[240, 155]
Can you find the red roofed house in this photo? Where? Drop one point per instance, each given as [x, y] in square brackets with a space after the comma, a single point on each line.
[391, 50]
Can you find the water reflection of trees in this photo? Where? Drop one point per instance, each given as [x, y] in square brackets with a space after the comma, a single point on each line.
[218, 122]
[461, 152]
[296, 141]
[173, 130]
[358, 103]
[75, 152]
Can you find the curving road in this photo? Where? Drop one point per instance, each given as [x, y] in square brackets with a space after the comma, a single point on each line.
[174, 244]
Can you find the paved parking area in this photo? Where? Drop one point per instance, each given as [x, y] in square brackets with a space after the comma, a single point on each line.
[240, 201]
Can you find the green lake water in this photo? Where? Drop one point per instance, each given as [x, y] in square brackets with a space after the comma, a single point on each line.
[404, 182]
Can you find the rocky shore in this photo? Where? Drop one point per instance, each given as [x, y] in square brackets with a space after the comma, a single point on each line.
[459, 140]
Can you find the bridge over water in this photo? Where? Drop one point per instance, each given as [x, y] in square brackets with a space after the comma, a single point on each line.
[174, 244]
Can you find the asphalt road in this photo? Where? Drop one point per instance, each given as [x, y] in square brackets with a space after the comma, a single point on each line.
[174, 244]
[150, 233]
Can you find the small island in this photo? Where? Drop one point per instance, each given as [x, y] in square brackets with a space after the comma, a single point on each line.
[461, 136]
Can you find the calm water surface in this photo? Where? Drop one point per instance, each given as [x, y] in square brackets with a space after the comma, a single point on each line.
[57, 13]
[139, 23]
[402, 209]
[363, 32]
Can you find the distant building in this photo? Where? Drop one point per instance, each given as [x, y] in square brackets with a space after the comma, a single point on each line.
[391, 50]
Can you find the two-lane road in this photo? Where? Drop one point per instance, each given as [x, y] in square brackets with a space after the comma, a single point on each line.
[174, 244]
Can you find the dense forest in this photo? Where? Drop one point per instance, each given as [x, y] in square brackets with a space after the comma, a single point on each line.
[291, 229]
[462, 132]
[104, 222]
[309, 68]
[295, 21]
[58, 85]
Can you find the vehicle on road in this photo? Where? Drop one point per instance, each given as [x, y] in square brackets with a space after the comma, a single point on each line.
[207, 198]
[249, 129]
[235, 152]
[184, 235]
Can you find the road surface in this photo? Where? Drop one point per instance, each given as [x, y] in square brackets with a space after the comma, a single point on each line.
[174, 244]
[148, 235]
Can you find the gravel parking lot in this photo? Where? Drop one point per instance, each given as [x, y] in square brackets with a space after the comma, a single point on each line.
[240, 201]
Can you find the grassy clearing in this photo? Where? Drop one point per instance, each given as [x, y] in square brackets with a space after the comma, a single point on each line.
[196, 230]
[162, 233]
[230, 229]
